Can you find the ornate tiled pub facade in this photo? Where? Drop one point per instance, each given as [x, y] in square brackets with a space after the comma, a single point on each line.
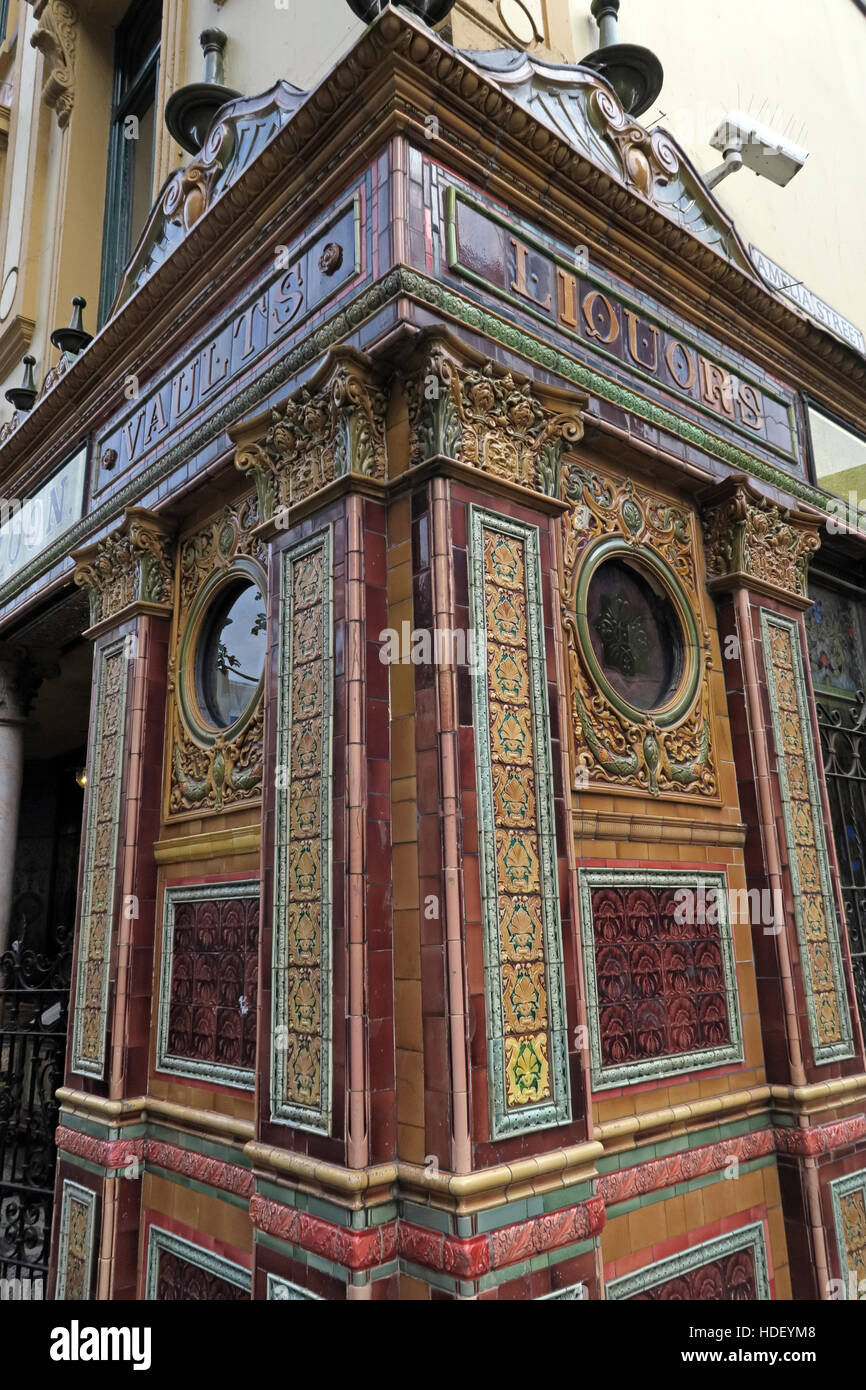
[459, 910]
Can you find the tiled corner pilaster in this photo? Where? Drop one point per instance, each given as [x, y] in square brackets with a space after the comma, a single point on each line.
[823, 975]
[301, 1040]
[525, 988]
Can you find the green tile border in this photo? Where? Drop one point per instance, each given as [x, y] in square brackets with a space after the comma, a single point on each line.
[159, 1240]
[86, 1197]
[839, 1188]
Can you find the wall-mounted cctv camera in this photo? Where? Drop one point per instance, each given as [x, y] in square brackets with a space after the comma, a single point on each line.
[744, 140]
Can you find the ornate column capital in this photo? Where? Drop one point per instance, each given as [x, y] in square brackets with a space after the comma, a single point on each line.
[752, 543]
[465, 407]
[56, 37]
[22, 671]
[129, 571]
[330, 429]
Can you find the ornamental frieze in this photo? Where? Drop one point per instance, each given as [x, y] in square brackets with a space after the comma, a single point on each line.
[213, 768]
[489, 419]
[133, 565]
[327, 430]
[638, 649]
[749, 538]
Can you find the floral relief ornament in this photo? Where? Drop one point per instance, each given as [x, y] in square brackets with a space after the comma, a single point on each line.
[610, 747]
[223, 771]
[487, 418]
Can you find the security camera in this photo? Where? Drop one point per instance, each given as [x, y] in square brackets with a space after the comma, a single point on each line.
[744, 140]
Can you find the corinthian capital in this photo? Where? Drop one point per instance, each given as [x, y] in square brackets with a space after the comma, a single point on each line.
[471, 410]
[129, 569]
[325, 431]
[751, 541]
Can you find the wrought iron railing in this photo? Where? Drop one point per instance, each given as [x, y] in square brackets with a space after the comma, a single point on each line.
[34, 996]
[843, 745]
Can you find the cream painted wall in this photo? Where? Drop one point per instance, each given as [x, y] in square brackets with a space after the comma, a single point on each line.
[801, 59]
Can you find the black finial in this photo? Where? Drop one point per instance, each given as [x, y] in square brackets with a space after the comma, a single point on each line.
[22, 397]
[635, 73]
[73, 339]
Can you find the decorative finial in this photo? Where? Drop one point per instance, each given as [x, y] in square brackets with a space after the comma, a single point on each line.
[23, 397]
[73, 339]
[635, 73]
[190, 110]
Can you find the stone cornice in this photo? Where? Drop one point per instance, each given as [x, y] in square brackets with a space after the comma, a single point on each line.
[402, 63]
[129, 571]
[751, 543]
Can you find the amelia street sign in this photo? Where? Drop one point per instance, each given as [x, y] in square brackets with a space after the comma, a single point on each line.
[817, 309]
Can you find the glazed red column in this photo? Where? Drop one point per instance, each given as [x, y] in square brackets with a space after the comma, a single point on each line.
[325, 1101]
[757, 559]
[129, 579]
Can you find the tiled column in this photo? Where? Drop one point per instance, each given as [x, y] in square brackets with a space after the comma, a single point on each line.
[129, 579]
[326, 1050]
[757, 558]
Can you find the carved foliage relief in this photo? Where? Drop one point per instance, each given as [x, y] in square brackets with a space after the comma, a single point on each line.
[665, 751]
[213, 774]
[526, 1022]
[484, 417]
[746, 534]
[325, 431]
[809, 866]
[102, 833]
[301, 1041]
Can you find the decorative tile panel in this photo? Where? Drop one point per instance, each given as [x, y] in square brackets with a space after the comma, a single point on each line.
[301, 1042]
[180, 1272]
[808, 862]
[75, 1250]
[849, 1213]
[284, 1290]
[526, 1019]
[101, 850]
[660, 974]
[729, 1269]
[209, 983]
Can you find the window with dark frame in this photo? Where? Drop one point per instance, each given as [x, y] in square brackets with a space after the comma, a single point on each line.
[131, 141]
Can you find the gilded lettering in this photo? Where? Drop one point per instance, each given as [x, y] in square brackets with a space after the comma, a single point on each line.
[566, 297]
[519, 285]
[680, 360]
[602, 324]
[642, 336]
[749, 403]
[716, 386]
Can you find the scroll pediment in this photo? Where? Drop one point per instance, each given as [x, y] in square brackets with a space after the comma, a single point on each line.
[584, 110]
[240, 131]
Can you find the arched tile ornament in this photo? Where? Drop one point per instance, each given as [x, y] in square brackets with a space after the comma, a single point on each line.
[177, 1269]
[731, 1268]
[301, 1040]
[283, 1290]
[524, 984]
